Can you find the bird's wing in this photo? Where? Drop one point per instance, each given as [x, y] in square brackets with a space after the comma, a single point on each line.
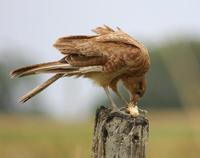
[115, 36]
[107, 45]
[94, 45]
[83, 45]
[103, 30]
[78, 60]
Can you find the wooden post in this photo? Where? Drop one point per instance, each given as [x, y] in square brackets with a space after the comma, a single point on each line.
[119, 136]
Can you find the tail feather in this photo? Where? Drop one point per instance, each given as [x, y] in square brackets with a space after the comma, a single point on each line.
[79, 72]
[47, 69]
[60, 68]
[50, 67]
[39, 88]
[23, 69]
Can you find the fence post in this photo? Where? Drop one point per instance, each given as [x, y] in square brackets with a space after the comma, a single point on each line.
[119, 136]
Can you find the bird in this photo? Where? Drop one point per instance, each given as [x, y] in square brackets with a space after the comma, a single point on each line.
[107, 57]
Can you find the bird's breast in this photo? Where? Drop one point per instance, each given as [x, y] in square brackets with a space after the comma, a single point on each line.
[102, 79]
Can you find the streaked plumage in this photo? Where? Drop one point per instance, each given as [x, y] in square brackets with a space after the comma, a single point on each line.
[107, 57]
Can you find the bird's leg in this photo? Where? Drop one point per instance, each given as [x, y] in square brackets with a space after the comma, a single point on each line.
[114, 106]
[122, 98]
[114, 86]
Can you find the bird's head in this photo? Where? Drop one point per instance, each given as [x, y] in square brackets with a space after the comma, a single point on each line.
[140, 87]
[136, 86]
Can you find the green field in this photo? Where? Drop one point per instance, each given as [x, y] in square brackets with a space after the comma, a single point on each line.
[172, 134]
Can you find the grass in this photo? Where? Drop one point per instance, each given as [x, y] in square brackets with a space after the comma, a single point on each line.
[172, 134]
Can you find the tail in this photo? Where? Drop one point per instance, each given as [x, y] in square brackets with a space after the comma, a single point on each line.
[49, 67]
[61, 69]
[39, 88]
[58, 67]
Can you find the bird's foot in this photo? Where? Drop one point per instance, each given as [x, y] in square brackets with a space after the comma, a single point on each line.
[143, 111]
[121, 111]
[127, 111]
[131, 110]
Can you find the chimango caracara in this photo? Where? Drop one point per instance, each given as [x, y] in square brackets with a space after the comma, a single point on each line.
[107, 57]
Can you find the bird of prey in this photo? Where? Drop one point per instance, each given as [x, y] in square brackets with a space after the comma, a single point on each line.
[107, 57]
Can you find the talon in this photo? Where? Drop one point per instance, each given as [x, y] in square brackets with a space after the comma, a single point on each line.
[123, 109]
[114, 110]
[120, 111]
[143, 111]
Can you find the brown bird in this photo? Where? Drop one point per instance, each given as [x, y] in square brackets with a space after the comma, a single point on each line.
[106, 57]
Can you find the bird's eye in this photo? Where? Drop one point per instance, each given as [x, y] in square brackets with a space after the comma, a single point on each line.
[139, 93]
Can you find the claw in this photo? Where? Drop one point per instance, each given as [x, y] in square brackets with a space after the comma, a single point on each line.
[121, 111]
[117, 111]
[143, 111]
[131, 110]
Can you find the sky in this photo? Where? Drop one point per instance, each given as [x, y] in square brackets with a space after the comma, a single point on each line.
[35, 24]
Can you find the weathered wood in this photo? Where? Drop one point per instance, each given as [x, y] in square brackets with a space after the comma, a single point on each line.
[119, 136]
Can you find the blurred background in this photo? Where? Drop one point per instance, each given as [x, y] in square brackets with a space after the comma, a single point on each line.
[59, 121]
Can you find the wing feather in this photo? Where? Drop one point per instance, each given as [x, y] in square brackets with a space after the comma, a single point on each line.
[92, 45]
[118, 37]
[103, 30]
[77, 45]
